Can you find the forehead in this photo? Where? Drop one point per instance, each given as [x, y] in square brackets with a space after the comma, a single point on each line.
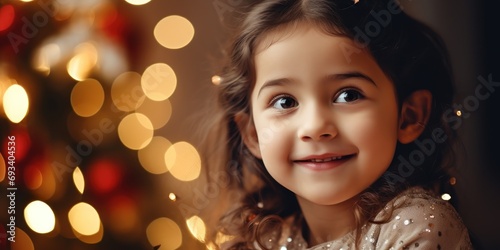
[308, 40]
[284, 31]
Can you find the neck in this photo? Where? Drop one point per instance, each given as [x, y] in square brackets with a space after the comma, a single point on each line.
[327, 222]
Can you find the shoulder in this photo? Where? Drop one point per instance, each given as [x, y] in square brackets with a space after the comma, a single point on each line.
[417, 218]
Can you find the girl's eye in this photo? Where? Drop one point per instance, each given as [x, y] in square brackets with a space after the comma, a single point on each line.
[283, 102]
[349, 95]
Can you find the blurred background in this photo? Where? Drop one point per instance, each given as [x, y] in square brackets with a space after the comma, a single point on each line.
[104, 98]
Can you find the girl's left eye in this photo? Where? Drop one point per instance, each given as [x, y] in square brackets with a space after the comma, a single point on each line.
[349, 95]
[284, 102]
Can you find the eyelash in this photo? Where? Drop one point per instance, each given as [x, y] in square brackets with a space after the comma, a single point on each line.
[275, 99]
[358, 92]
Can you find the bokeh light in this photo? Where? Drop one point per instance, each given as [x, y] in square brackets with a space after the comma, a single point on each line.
[104, 175]
[84, 219]
[91, 239]
[159, 112]
[453, 181]
[87, 97]
[446, 196]
[197, 227]
[216, 80]
[183, 161]
[46, 57]
[126, 91]
[172, 197]
[39, 217]
[137, 2]
[135, 131]
[174, 32]
[7, 15]
[152, 156]
[84, 60]
[15, 103]
[3, 168]
[23, 241]
[39, 177]
[159, 81]
[79, 180]
[165, 232]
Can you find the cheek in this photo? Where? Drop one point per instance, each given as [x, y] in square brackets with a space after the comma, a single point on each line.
[375, 133]
[267, 137]
[274, 143]
[271, 131]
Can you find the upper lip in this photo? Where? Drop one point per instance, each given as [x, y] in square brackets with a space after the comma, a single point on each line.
[323, 157]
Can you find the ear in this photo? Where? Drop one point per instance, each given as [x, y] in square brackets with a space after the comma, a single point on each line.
[248, 133]
[414, 116]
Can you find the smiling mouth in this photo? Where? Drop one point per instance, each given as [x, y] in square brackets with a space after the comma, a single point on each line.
[324, 163]
[329, 159]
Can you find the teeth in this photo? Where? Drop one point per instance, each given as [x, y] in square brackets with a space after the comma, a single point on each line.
[327, 159]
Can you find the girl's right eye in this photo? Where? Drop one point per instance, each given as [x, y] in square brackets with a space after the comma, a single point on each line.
[283, 102]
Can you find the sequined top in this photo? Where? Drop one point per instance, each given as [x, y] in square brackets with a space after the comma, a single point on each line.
[419, 221]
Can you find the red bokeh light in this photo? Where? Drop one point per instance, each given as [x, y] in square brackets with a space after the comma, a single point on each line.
[7, 15]
[105, 175]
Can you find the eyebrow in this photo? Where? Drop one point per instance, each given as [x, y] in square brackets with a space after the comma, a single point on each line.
[331, 77]
[353, 74]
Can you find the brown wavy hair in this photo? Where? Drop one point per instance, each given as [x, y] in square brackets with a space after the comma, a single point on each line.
[411, 54]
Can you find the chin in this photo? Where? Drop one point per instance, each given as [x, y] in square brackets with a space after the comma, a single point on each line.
[327, 201]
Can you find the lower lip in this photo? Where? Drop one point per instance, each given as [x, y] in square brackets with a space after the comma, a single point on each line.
[321, 166]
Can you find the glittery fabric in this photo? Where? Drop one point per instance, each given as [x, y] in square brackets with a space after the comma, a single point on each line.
[419, 221]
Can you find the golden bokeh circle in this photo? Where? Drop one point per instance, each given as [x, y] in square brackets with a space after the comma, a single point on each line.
[165, 232]
[135, 131]
[137, 2]
[87, 97]
[152, 156]
[158, 81]
[174, 32]
[183, 161]
[126, 91]
[15, 103]
[39, 217]
[84, 219]
[159, 112]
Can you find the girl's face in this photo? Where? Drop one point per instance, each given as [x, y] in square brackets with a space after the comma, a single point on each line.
[325, 115]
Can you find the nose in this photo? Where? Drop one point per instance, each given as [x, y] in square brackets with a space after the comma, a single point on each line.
[317, 124]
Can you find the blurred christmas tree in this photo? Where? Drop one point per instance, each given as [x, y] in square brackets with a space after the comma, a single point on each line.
[76, 185]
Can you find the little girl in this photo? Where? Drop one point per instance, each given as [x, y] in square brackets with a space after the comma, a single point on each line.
[332, 128]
